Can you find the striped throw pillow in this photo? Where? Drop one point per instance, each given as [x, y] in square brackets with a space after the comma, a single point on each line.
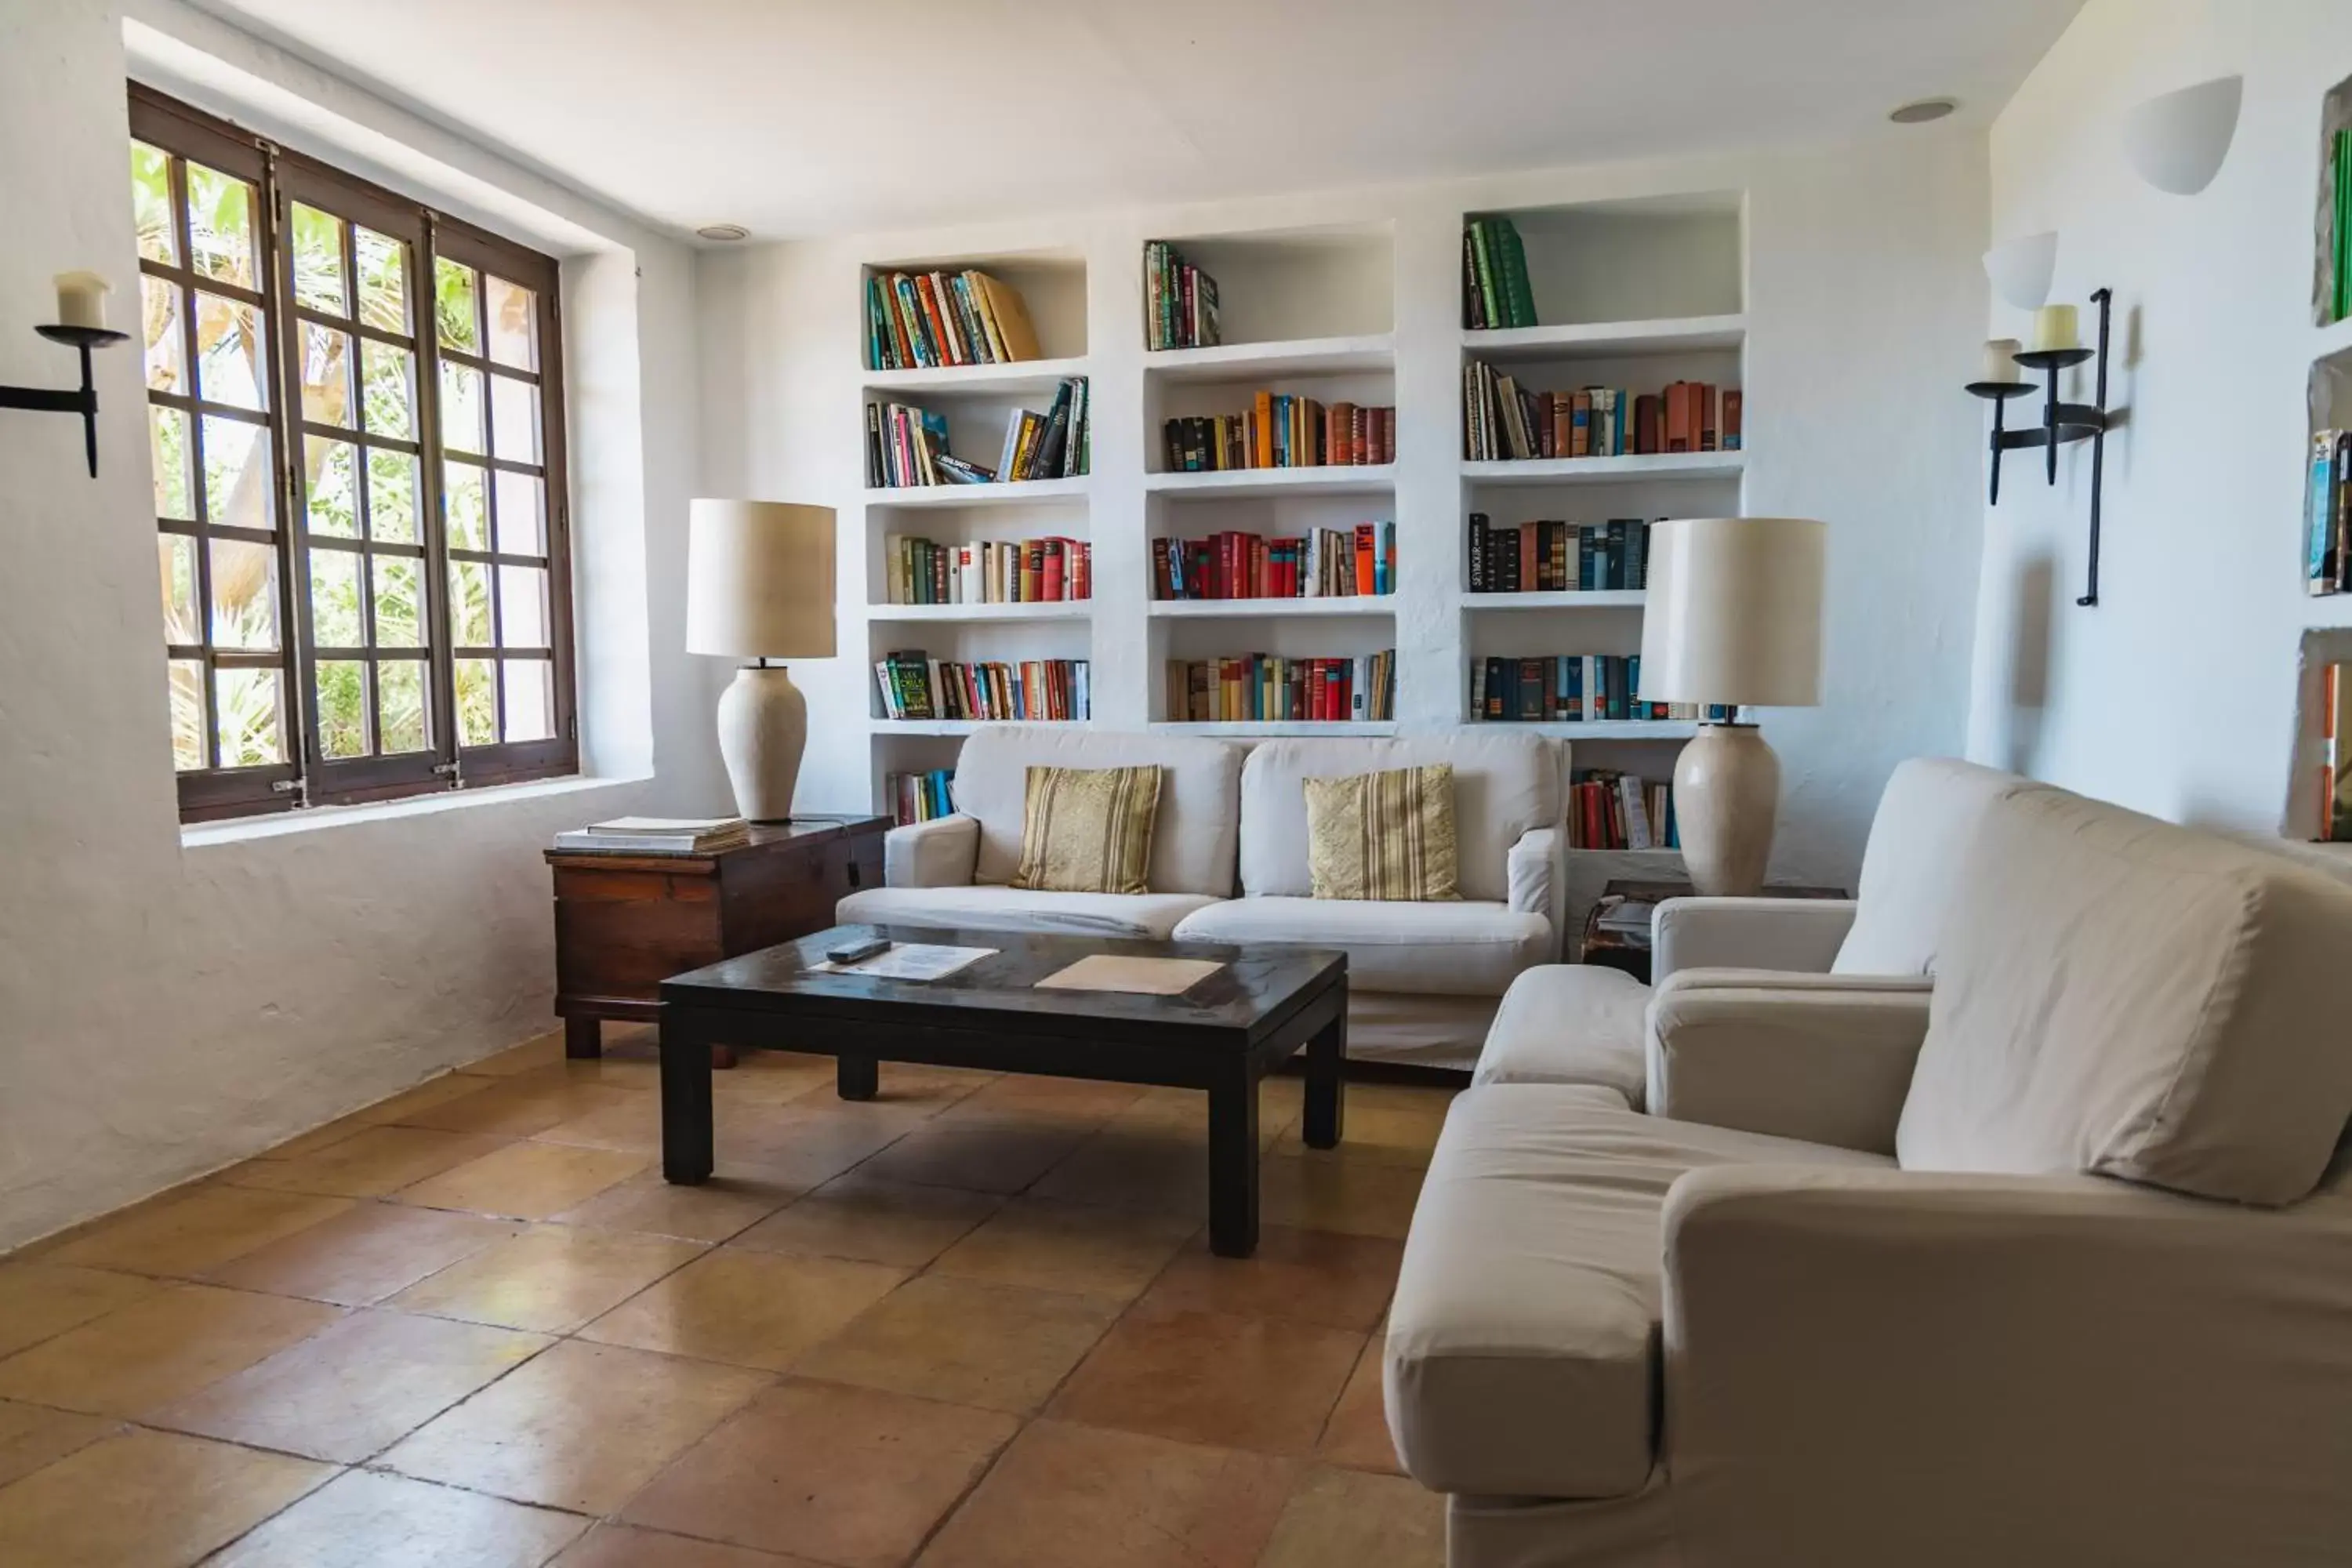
[1385, 835]
[1088, 830]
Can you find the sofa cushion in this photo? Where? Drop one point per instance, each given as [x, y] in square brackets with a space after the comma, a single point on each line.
[1192, 846]
[2121, 996]
[1148, 916]
[1919, 845]
[1523, 1343]
[1089, 830]
[1387, 835]
[1570, 1022]
[1453, 949]
[1504, 784]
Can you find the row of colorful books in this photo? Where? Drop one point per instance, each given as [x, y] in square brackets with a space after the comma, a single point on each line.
[1264, 687]
[1612, 810]
[922, 320]
[1553, 556]
[2327, 529]
[920, 798]
[1324, 562]
[1504, 420]
[1180, 300]
[916, 686]
[990, 571]
[1571, 689]
[906, 445]
[1282, 431]
[1495, 287]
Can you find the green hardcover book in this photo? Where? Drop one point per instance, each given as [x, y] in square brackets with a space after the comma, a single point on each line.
[2342, 248]
[1487, 291]
[1522, 300]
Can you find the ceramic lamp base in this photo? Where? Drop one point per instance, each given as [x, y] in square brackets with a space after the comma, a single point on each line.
[1727, 792]
[763, 730]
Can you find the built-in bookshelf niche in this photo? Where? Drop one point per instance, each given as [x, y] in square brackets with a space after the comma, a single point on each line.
[2331, 245]
[1651, 258]
[982, 419]
[1504, 644]
[1276, 286]
[1209, 639]
[1051, 285]
[892, 532]
[1018, 655]
[1511, 500]
[1178, 519]
[1345, 378]
[2319, 783]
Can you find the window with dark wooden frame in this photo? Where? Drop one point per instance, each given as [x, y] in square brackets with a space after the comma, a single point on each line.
[356, 407]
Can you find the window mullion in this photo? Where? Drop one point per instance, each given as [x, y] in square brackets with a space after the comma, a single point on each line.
[300, 657]
[441, 666]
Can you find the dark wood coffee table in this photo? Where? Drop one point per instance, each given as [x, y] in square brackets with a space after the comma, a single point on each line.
[1221, 1037]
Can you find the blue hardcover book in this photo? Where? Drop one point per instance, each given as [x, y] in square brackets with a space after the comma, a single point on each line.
[1588, 557]
[2320, 562]
[1633, 706]
[1574, 706]
[1612, 565]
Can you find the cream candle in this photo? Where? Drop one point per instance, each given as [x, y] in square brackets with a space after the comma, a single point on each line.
[2000, 360]
[81, 299]
[2055, 329]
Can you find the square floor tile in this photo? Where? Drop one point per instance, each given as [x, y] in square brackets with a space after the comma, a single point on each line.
[1356, 1434]
[774, 1077]
[203, 1230]
[581, 1426]
[1315, 1275]
[538, 1051]
[191, 1496]
[1264, 1384]
[631, 1123]
[1343, 1519]
[319, 1137]
[439, 1090]
[1048, 1245]
[1318, 1192]
[367, 1164]
[362, 1256]
[160, 1349]
[527, 1180]
[549, 1279]
[805, 1148]
[1159, 1170]
[747, 1307]
[41, 1299]
[364, 1520]
[1074, 1496]
[520, 1106]
[874, 1221]
[844, 1475]
[1380, 1135]
[1000, 1347]
[31, 1437]
[714, 1210]
[626, 1546]
[346, 1394]
[1082, 1102]
[980, 1155]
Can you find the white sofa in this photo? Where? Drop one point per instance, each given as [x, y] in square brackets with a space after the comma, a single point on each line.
[1423, 979]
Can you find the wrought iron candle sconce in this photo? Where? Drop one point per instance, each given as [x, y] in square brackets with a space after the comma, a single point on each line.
[83, 401]
[2061, 423]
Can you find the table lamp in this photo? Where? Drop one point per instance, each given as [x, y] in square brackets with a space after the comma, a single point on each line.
[759, 586]
[1733, 620]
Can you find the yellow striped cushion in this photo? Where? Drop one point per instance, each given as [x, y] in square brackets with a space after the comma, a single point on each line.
[1385, 836]
[1088, 830]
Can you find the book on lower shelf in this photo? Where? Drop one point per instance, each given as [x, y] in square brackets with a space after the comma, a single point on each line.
[656, 836]
[2327, 526]
[1280, 430]
[1571, 689]
[1323, 562]
[1180, 300]
[1496, 292]
[1611, 810]
[906, 445]
[917, 320]
[1503, 420]
[913, 685]
[989, 572]
[920, 796]
[1553, 555]
[1261, 687]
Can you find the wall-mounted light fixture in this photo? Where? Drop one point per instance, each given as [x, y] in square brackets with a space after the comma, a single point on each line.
[81, 323]
[2056, 344]
[2177, 140]
[2021, 269]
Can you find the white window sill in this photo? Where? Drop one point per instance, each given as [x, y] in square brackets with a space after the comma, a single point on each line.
[319, 819]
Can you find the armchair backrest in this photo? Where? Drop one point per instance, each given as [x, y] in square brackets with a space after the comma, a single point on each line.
[1504, 784]
[1194, 838]
[1920, 843]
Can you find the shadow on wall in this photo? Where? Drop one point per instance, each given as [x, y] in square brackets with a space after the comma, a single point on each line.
[2032, 625]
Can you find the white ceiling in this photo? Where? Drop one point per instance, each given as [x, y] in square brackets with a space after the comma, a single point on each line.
[796, 117]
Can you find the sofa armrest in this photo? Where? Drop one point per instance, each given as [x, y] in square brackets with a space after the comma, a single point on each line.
[940, 853]
[1826, 1059]
[1747, 933]
[1537, 878]
[1868, 1366]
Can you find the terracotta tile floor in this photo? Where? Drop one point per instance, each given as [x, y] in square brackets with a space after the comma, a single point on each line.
[974, 1323]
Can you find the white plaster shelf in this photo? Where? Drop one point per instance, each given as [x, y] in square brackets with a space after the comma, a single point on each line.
[1039, 610]
[1572, 599]
[1332, 478]
[1607, 340]
[1301, 356]
[1604, 728]
[1268, 729]
[1029, 376]
[963, 726]
[1256, 609]
[1608, 470]
[1016, 492]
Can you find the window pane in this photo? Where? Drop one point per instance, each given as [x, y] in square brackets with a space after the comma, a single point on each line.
[244, 594]
[453, 305]
[383, 263]
[335, 599]
[326, 375]
[342, 707]
[514, 419]
[467, 512]
[167, 347]
[387, 382]
[220, 225]
[400, 706]
[523, 607]
[187, 679]
[531, 699]
[392, 496]
[318, 241]
[167, 450]
[176, 555]
[330, 487]
[151, 204]
[512, 313]
[469, 603]
[461, 408]
[399, 601]
[251, 722]
[238, 489]
[478, 712]
[522, 529]
[230, 368]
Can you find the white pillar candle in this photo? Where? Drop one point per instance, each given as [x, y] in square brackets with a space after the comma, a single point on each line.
[2000, 360]
[2053, 328]
[81, 299]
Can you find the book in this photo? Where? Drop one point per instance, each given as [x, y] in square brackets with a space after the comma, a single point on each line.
[2320, 566]
[1269, 688]
[913, 685]
[1505, 421]
[917, 320]
[656, 836]
[1180, 300]
[1495, 289]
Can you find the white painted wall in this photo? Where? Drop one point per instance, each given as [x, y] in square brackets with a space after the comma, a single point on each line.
[167, 1006]
[1864, 299]
[2176, 693]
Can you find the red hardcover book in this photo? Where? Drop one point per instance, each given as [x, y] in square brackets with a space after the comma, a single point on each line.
[1680, 426]
[930, 302]
[1649, 420]
[1163, 580]
[1055, 576]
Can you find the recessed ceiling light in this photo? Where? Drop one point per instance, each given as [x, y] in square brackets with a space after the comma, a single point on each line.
[726, 232]
[1923, 111]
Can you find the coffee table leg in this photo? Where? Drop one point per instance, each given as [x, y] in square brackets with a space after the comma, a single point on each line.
[687, 1155]
[856, 1076]
[1233, 1165]
[1327, 1089]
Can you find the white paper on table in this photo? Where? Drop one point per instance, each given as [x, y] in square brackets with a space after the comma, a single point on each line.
[909, 960]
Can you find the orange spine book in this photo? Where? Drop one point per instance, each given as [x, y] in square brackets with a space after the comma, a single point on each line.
[1032, 579]
[1363, 584]
[1261, 446]
[951, 346]
[1526, 557]
[1678, 416]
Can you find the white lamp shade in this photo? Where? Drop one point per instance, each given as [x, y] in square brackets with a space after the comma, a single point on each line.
[759, 580]
[2176, 140]
[1734, 614]
[2021, 269]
